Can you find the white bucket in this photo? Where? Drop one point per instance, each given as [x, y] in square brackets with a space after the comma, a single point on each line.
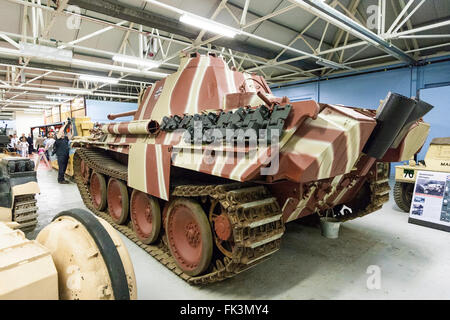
[330, 227]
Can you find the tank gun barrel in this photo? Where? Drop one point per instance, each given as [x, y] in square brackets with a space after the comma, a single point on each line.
[121, 115]
[132, 127]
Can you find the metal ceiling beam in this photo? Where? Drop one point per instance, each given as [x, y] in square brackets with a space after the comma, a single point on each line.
[340, 20]
[278, 24]
[70, 70]
[149, 19]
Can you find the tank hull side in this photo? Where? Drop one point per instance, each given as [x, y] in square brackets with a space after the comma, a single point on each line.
[150, 169]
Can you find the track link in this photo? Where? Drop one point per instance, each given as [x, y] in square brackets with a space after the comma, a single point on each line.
[255, 216]
[25, 212]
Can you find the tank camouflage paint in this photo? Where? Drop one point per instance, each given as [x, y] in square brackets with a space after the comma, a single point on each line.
[327, 157]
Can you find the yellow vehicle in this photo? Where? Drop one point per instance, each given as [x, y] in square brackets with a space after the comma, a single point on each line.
[436, 159]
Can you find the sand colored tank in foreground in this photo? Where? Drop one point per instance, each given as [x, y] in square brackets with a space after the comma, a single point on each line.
[213, 165]
[76, 257]
[27, 271]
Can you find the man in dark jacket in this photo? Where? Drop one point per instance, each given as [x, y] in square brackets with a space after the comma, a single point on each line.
[61, 148]
[30, 144]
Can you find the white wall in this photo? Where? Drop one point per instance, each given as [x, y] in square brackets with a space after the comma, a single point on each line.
[24, 121]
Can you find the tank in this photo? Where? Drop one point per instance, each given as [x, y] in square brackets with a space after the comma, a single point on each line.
[436, 159]
[4, 139]
[18, 186]
[214, 165]
[76, 257]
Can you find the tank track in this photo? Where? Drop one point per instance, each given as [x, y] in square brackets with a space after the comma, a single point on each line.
[25, 212]
[379, 194]
[255, 216]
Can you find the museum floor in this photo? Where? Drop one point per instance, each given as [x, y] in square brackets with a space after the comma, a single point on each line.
[414, 261]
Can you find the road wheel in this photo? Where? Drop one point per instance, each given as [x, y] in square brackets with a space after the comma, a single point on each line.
[118, 200]
[85, 171]
[145, 216]
[403, 193]
[189, 236]
[98, 191]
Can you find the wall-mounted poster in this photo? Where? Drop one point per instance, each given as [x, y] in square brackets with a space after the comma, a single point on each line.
[430, 202]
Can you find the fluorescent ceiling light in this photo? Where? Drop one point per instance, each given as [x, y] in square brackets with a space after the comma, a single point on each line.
[208, 25]
[148, 64]
[30, 102]
[60, 97]
[331, 64]
[327, 64]
[45, 52]
[33, 111]
[90, 78]
[75, 91]
[41, 107]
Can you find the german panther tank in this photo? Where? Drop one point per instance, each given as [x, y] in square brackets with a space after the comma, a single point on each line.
[18, 186]
[213, 165]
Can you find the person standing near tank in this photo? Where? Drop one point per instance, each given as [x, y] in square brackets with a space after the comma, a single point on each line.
[14, 141]
[11, 146]
[30, 144]
[61, 148]
[48, 145]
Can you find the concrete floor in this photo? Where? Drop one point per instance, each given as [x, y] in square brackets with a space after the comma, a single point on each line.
[414, 261]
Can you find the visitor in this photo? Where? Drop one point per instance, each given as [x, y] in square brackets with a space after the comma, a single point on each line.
[61, 149]
[30, 144]
[14, 141]
[40, 141]
[48, 145]
[23, 147]
[41, 155]
[10, 146]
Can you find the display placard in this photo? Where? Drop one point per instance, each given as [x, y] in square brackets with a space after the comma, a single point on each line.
[430, 201]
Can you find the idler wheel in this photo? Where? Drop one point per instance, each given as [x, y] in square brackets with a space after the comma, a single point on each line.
[189, 236]
[118, 202]
[145, 216]
[85, 171]
[98, 191]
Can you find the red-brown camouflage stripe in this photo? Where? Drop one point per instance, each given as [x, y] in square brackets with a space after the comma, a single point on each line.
[148, 109]
[143, 104]
[181, 92]
[157, 170]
